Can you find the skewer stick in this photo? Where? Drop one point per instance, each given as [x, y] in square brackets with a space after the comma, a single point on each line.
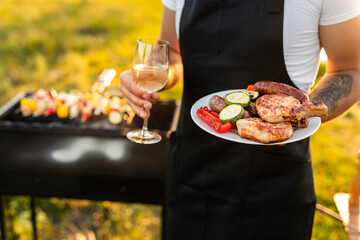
[336, 216]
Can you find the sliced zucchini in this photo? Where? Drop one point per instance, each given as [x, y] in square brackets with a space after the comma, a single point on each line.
[240, 98]
[231, 113]
[253, 95]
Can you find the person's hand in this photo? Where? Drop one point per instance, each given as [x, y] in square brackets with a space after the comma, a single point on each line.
[138, 99]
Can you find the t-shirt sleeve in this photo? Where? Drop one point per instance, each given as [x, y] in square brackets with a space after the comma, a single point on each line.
[337, 11]
[170, 4]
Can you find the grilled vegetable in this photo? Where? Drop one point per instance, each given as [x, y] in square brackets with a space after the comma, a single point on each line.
[240, 98]
[215, 114]
[252, 110]
[250, 88]
[41, 109]
[212, 121]
[115, 117]
[62, 111]
[231, 113]
[86, 113]
[252, 94]
[28, 102]
[51, 109]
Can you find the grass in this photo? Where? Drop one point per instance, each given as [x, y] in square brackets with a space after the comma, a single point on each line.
[65, 45]
[334, 147]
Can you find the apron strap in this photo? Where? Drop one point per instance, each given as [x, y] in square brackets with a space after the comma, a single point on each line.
[274, 6]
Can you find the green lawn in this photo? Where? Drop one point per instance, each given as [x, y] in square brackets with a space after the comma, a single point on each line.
[65, 45]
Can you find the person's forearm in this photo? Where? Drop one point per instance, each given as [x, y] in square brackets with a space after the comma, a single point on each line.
[338, 91]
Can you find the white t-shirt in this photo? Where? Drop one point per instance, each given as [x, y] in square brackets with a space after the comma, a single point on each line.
[301, 32]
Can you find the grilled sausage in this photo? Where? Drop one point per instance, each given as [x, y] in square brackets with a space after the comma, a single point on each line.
[217, 103]
[269, 87]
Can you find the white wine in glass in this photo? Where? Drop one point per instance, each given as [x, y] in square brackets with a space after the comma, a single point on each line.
[150, 73]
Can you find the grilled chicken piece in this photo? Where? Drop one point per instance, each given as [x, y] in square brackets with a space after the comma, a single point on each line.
[258, 130]
[277, 108]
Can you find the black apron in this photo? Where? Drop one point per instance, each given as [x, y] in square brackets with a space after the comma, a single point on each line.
[217, 189]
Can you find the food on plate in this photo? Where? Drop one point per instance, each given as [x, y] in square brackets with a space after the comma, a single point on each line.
[252, 94]
[251, 109]
[309, 110]
[239, 98]
[212, 120]
[280, 107]
[258, 130]
[269, 87]
[247, 114]
[276, 108]
[217, 103]
[250, 88]
[270, 111]
[231, 113]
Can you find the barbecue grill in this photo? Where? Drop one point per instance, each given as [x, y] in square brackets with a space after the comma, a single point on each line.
[66, 158]
[48, 156]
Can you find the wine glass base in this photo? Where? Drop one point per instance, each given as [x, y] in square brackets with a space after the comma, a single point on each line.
[148, 138]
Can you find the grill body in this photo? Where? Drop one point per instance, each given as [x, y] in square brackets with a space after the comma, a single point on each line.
[50, 157]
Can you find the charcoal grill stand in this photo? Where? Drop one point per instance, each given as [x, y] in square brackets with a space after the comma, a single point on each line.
[2, 217]
[33, 216]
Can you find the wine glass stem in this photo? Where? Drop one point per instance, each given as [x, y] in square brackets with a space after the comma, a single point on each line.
[145, 125]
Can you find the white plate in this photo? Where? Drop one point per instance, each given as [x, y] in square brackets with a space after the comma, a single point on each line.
[299, 133]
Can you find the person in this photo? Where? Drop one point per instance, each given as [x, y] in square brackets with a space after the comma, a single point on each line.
[217, 189]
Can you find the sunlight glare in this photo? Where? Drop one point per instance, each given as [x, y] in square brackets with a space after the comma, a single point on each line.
[323, 56]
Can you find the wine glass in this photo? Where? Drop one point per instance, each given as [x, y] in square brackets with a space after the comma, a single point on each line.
[149, 72]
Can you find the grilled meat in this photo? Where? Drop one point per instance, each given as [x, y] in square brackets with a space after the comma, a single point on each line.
[301, 123]
[217, 103]
[309, 110]
[268, 87]
[278, 108]
[272, 117]
[258, 130]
